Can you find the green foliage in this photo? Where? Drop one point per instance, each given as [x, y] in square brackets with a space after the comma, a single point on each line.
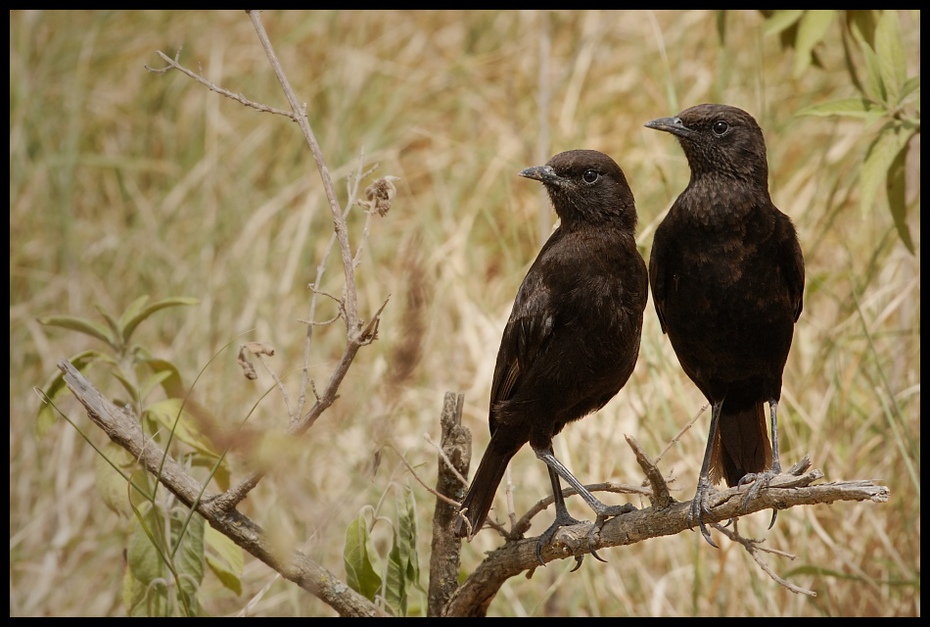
[123, 358]
[165, 563]
[225, 559]
[168, 546]
[888, 98]
[55, 387]
[359, 557]
[401, 571]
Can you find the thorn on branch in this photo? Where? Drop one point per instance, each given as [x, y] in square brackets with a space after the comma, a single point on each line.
[661, 497]
[369, 332]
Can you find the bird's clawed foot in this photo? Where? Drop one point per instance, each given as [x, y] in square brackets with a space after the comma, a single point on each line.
[603, 516]
[759, 481]
[699, 508]
[565, 520]
[562, 519]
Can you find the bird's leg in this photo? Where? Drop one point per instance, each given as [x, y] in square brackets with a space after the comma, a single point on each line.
[761, 480]
[602, 511]
[562, 517]
[698, 505]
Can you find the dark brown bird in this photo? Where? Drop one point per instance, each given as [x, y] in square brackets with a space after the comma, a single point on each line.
[727, 277]
[573, 336]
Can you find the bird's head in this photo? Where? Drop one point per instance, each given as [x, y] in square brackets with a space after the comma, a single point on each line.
[586, 186]
[720, 140]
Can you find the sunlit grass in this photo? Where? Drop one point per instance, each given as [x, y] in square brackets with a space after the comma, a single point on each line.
[125, 183]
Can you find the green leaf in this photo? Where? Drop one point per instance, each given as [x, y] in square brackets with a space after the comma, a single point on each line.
[225, 559]
[112, 469]
[113, 324]
[894, 187]
[127, 384]
[142, 555]
[403, 571]
[846, 107]
[407, 525]
[878, 161]
[188, 558]
[361, 574]
[889, 51]
[129, 324]
[172, 384]
[168, 413]
[81, 325]
[143, 599]
[135, 307]
[395, 589]
[163, 582]
[55, 387]
[781, 20]
[875, 88]
[862, 21]
[152, 382]
[811, 29]
[911, 85]
[221, 473]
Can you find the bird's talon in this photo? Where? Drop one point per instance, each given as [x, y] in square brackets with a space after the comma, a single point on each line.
[578, 560]
[706, 534]
[539, 558]
[596, 556]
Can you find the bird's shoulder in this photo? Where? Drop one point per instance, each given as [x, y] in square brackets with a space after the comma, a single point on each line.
[571, 282]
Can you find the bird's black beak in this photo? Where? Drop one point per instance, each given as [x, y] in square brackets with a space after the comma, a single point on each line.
[670, 125]
[543, 173]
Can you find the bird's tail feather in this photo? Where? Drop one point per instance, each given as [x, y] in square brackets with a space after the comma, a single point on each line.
[741, 445]
[480, 494]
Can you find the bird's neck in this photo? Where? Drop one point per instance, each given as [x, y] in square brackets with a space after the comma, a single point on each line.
[722, 202]
[621, 221]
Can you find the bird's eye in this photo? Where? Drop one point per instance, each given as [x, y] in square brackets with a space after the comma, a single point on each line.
[589, 176]
[720, 127]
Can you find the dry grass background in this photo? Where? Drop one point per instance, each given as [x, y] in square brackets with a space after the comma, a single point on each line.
[125, 183]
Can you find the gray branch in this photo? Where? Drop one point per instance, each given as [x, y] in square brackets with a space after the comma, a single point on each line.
[664, 518]
[124, 429]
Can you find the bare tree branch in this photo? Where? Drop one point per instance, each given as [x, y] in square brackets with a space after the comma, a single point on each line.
[339, 223]
[357, 333]
[754, 547]
[790, 489]
[454, 460]
[125, 430]
[173, 64]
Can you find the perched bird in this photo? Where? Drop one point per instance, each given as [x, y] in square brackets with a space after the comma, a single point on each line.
[727, 278]
[573, 336]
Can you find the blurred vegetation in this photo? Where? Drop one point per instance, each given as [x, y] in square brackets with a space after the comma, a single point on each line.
[888, 94]
[125, 183]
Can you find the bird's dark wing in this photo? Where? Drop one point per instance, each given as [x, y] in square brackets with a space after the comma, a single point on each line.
[527, 332]
[790, 260]
[658, 269]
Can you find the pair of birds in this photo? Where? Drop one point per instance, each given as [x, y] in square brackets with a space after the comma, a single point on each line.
[727, 278]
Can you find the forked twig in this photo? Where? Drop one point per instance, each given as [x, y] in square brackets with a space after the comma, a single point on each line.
[754, 547]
